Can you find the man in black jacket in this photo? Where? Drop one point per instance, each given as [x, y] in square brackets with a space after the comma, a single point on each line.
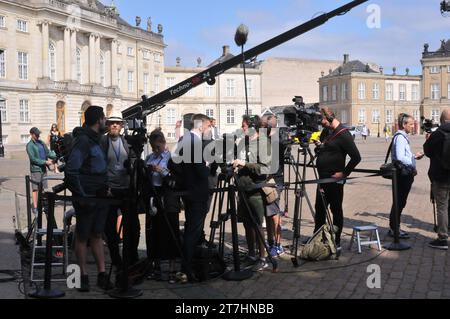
[334, 145]
[440, 177]
[195, 180]
[86, 176]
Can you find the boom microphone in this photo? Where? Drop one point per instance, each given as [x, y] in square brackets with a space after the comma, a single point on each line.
[241, 35]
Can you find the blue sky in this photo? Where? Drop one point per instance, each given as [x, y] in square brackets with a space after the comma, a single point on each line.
[200, 28]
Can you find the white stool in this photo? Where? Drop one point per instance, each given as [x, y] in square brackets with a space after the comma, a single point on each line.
[372, 229]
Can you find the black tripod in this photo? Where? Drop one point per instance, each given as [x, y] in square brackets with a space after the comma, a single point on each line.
[300, 193]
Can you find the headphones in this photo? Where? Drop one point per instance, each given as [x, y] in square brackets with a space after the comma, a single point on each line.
[330, 117]
[402, 118]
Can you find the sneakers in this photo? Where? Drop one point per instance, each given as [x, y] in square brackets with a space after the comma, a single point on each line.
[260, 265]
[103, 281]
[280, 250]
[402, 235]
[273, 251]
[439, 244]
[84, 284]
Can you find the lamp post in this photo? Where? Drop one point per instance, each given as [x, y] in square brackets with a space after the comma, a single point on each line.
[2, 147]
[378, 128]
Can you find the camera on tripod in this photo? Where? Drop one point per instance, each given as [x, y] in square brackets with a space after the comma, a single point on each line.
[301, 122]
[428, 125]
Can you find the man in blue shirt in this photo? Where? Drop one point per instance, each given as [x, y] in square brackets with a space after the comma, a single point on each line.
[406, 164]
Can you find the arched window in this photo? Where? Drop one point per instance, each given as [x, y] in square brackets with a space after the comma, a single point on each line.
[79, 77]
[102, 69]
[52, 61]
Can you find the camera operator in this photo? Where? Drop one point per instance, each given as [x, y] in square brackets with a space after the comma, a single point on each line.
[405, 162]
[334, 144]
[86, 176]
[252, 172]
[117, 153]
[195, 180]
[439, 174]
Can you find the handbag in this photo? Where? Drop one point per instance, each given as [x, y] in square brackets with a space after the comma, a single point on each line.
[270, 193]
[386, 168]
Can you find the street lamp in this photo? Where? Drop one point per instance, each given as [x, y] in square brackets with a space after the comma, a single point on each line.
[378, 127]
[2, 148]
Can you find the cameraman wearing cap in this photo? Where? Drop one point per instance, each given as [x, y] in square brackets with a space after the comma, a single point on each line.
[334, 144]
[40, 157]
[117, 153]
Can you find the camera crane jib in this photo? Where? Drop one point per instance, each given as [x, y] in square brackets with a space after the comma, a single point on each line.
[153, 104]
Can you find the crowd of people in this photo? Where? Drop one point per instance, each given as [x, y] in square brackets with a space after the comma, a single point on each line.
[98, 167]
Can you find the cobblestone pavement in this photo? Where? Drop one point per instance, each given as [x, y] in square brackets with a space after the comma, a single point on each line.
[420, 272]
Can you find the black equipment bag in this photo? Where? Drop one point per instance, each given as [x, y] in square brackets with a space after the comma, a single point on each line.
[207, 263]
[386, 168]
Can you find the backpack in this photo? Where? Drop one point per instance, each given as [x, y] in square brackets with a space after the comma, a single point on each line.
[320, 246]
[445, 157]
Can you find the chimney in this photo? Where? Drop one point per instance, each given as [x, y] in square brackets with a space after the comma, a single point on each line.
[346, 58]
[226, 50]
[178, 61]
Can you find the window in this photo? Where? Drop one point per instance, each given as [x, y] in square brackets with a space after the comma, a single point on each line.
[249, 88]
[325, 93]
[389, 92]
[448, 69]
[52, 61]
[3, 112]
[171, 135]
[24, 111]
[145, 54]
[402, 92]
[416, 115]
[157, 57]
[415, 92]
[230, 116]
[344, 116]
[361, 91]
[435, 92]
[22, 25]
[102, 70]
[2, 22]
[146, 83]
[334, 93]
[448, 91]
[209, 90]
[119, 48]
[375, 116]
[24, 138]
[23, 65]
[376, 91]
[79, 77]
[2, 64]
[209, 112]
[362, 116]
[5, 139]
[170, 82]
[130, 81]
[435, 116]
[156, 83]
[119, 77]
[171, 116]
[389, 115]
[230, 87]
[130, 51]
[344, 91]
[250, 112]
[435, 69]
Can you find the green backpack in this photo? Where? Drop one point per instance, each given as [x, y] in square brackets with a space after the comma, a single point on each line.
[321, 246]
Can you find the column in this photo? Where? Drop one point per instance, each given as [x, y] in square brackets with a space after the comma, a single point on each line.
[67, 54]
[114, 63]
[97, 58]
[92, 59]
[73, 65]
[45, 43]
